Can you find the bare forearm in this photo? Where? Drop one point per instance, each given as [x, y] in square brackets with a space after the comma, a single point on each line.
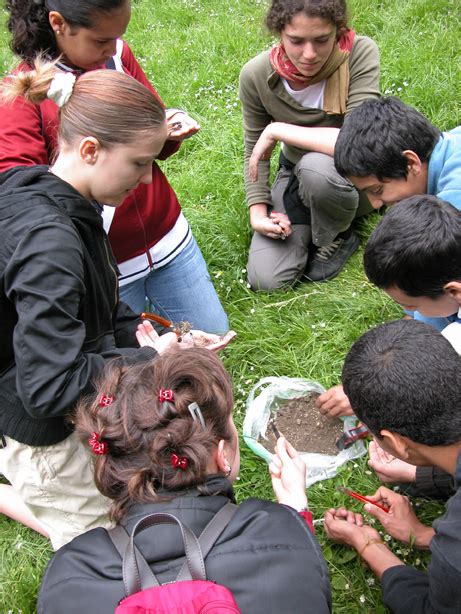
[379, 558]
[321, 140]
[257, 211]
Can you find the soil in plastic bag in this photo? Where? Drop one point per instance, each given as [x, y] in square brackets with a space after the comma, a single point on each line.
[300, 422]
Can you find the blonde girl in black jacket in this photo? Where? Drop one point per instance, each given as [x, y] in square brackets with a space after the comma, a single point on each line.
[60, 318]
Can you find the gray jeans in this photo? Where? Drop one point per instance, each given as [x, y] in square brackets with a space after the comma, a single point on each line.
[333, 203]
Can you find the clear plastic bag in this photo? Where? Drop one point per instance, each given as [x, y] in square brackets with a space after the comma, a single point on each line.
[266, 397]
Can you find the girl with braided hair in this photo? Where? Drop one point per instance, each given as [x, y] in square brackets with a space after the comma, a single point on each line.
[166, 442]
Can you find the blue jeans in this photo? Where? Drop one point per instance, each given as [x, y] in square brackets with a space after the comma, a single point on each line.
[181, 290]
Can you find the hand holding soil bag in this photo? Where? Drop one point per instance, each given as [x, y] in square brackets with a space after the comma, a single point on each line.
[290, 404]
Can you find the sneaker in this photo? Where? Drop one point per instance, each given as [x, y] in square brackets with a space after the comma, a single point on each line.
[330, 259]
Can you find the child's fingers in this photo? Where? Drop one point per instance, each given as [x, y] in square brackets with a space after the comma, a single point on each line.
[281, 448]
[292, 452]
[385, 495]
[148, 330]
[274, 470]
[284, 449]
[379, 454]
[140, 338]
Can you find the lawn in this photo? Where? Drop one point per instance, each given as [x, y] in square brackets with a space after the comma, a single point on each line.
[192, 50]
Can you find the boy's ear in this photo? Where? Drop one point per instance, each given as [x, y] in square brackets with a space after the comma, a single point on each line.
[414, 164]
[454, 289]
[89, 149]
[394, 443]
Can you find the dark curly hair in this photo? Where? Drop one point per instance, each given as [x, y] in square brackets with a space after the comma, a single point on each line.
[282, 12]
[142, 433]
[31, 30]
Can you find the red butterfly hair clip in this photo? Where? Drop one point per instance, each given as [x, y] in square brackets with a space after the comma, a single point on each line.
[179, 462]
[165, 395]
[105, 400]
[98, 446]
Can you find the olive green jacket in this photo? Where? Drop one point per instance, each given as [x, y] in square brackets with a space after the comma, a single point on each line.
[264, 100]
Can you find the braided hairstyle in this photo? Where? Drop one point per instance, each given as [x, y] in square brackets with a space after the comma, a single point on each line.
[30, 27]
[141, 433]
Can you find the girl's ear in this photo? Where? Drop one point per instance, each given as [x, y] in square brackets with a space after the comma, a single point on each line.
[414, 164]
[222, 463]
[57, 22]
[89, 150]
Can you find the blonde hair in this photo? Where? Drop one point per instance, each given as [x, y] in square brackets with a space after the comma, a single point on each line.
[109, 105]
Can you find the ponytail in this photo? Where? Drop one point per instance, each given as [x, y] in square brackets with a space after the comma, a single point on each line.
[106, 104]
[32, 85]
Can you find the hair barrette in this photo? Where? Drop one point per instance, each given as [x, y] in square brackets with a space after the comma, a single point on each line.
[196, 413]
[179, 462]
[105, 400]
[98, 446]
[165, 394]
[61, 87]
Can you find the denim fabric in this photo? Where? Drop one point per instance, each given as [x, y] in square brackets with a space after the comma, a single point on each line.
[181, 290]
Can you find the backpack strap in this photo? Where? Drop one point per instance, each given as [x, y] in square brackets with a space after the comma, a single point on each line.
[211, 532]
[196, 567]
[121, 538]
[137, 575]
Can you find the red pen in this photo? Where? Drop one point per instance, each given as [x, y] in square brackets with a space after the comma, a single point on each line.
[362, 498]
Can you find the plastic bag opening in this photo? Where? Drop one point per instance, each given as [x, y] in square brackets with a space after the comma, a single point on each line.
[265, 398]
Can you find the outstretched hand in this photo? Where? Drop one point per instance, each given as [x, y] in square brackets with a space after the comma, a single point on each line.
[215, 343]
[180, 125]
[288, 474]
[346, 527]
[147, 336]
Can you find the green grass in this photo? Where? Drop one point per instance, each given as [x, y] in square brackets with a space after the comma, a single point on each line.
[192, 50]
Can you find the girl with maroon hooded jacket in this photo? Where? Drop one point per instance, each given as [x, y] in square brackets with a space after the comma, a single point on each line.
[153, 244]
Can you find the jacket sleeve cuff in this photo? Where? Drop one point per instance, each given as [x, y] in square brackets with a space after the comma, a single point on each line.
[433, 482]
[308, 518]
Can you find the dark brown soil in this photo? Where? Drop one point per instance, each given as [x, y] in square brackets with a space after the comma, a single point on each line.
[300, 422]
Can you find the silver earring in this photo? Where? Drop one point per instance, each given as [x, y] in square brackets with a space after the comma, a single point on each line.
[229, 471]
